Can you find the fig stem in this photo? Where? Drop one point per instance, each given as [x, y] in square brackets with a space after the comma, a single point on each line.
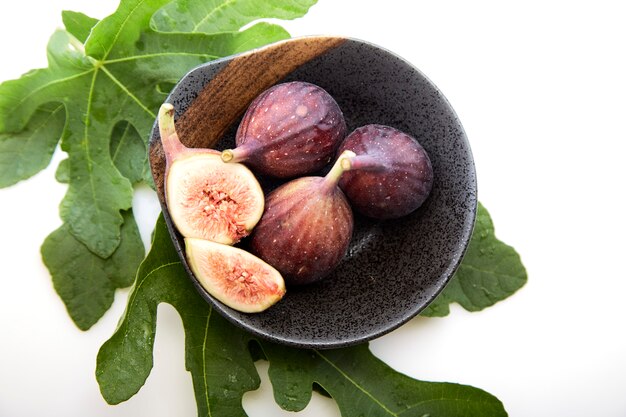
[227, 155]
[342, 164]
[240, 153]
[167, 129]
[365, 162]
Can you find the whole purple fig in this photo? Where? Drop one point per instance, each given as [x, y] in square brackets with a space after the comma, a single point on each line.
[391, 174]
[290, 129]
[306, 227]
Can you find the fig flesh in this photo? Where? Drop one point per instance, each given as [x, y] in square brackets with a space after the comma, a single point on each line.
[235, 277]
[205, 197]
[391, 174]
[306, 228]
[291, 129]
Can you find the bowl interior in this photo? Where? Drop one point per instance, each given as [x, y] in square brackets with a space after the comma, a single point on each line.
[393, 269]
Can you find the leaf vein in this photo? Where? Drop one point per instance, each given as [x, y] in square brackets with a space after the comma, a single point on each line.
[43, 125]
[133, 296]
[353, 382]
[121, 29]
[87, 117]
[128, 92]
[86, 147]
[211, 13]
[121, 142]
[157, 55]
[489, 272]
[442, 398]
[204, 365]
[48, 84]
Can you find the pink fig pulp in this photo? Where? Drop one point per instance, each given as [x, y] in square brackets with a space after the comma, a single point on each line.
[233, 276]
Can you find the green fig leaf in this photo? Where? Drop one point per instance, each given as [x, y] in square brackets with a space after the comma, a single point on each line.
[78, 24]
[125, 147]
[62, 174]
[85, 282]
[361, 384]
[126, 144]
[25, 153]
[213, 16]
[221, 358]
[112, 78]
[490, 272]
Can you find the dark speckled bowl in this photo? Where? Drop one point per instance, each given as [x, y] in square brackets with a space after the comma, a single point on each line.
[393, 269]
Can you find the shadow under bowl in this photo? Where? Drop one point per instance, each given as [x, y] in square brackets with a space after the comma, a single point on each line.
[393, 269]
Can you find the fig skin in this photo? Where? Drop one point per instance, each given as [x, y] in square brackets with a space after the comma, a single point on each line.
[205, 197]
[306, 228]
[291, 129]
[391, 174]
[235, 277]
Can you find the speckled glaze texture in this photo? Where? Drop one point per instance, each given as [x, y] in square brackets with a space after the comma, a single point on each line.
[393, 268]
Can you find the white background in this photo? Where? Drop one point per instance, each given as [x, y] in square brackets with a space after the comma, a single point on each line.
[540, 88]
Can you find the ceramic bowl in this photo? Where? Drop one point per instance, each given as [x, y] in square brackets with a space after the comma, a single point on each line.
[393, 269]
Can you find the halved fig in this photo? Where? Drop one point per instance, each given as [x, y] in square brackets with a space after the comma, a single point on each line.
[235, 277]
[206, 197]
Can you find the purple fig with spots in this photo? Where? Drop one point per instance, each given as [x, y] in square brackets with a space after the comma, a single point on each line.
[291, 129]
[306, 227]
[391, 174]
